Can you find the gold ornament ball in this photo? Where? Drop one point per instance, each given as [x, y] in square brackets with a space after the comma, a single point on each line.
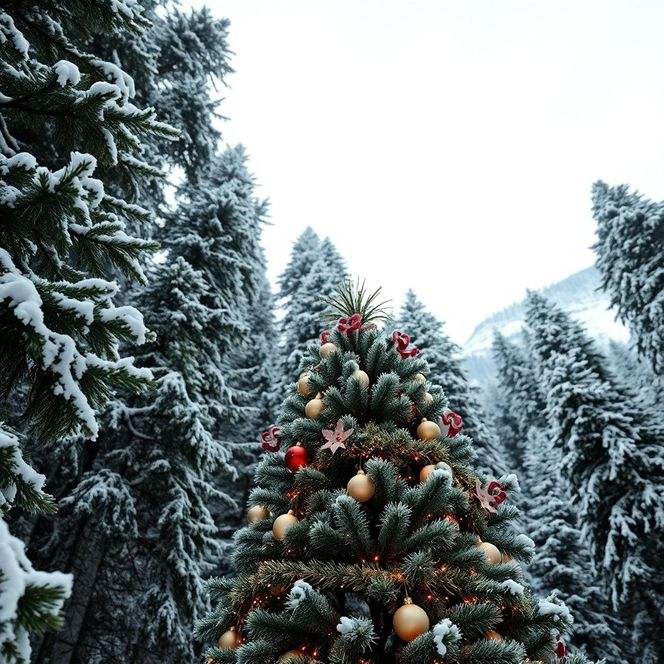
[291, 653]
[361, 487]
[491, 552]
[428, 430]
[326, 349]
[410, 621]
[304, 387]
[492, 635]
[420, 378]
[257, 513]
[362, 377]
[282, 523]
[229, 640]
[314, 408]
[426, 471]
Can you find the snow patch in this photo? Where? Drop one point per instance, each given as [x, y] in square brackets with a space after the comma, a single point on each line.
[445, 633]
[524, 540]
[10, 33]
[297, 593]
[513, 587]
[558, 611]
[16, 576]
[67, 73]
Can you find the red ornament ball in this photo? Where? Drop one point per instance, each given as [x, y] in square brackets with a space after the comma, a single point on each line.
[296, 457]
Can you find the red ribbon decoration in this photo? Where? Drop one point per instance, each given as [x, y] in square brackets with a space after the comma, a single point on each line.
[270, 439]
[402, 341]
[452, 423]
[324, 337]
[348, 325]
[497, 498]
[561, 649]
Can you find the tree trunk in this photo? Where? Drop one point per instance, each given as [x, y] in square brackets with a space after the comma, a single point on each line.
[59, 647]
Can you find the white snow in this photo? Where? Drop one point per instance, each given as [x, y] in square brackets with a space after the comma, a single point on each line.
[103, 88]
[119, 79]
[94, 187]
[510, 480]
[16, 575]
[110, 144]
[525, 541]
[124, 7]
[444, 633]
[67, 73]
[297, 593]
[513, 587]
[546, 608]
[9, 32]
[23, 160]
[20, 469]
[346, 625]
[129, 316]
[442, 470]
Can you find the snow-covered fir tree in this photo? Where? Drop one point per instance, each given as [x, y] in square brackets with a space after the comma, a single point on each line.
[218, 229]
[630, 258]
[314, 271]
[561, 563]
[444, 360]
[638, 376]
[303, 254]
[62, 241]
[515, 407]
[611, 462]
[170, 451]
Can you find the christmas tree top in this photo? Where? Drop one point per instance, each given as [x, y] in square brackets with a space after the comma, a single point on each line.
[371, 538]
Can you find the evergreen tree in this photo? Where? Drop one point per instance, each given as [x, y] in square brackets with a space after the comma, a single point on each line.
[638, 376]
[315, 271]
[561, 563]
[62, 240]
[218, 229]
[323, 582]
[630, 258]
[611, 462]
[443, 357]
[303, 254]
[197, 303]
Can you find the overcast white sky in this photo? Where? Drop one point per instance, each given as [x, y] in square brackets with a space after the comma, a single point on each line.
[443, 145]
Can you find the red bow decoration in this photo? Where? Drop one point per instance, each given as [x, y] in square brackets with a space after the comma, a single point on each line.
[498, 497]
[348, 325]
[324, 337]
[561, 648]
[451, 423]
[270, 439]
[402, 341]
[488, 497]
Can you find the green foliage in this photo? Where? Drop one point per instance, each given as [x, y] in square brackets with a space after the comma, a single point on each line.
[352, 299]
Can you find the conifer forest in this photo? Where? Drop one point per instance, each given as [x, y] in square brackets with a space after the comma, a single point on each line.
[200, 463]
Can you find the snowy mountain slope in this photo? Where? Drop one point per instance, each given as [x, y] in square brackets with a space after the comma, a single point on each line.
[578, 294]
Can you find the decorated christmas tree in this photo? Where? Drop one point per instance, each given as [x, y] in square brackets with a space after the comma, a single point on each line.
[371, 538]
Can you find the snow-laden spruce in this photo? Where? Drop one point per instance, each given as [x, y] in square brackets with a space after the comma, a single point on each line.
[611, 463]
[630, 258]
[64, 242]
[314, 271]
[561, 562]
[444, 359]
